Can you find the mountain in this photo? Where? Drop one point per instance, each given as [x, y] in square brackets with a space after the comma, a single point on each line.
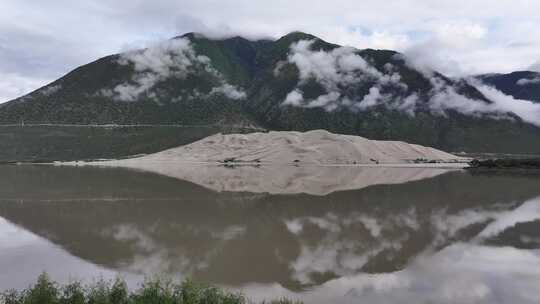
[298, 82]
[520, 85]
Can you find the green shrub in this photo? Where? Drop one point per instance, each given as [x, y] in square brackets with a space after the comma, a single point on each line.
[44, 292]
[73, 293]
[154, 291]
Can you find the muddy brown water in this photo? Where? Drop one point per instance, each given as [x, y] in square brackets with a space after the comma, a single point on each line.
[455, 237]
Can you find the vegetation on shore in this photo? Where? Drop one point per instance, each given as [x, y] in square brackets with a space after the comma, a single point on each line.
[46, 291]
[506, 163]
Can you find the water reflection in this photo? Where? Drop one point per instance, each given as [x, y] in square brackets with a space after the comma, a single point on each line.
[458, 273]
[279, 179]
[24, 255]
[448, 238]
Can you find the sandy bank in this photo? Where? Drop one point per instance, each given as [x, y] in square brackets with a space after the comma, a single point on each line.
[315, 162]
[314, 147]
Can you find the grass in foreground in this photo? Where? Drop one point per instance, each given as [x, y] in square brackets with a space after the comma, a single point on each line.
[155, 291]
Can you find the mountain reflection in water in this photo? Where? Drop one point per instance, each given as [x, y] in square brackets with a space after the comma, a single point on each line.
[442, 237]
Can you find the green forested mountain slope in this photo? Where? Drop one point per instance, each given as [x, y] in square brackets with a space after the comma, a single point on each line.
[298, 82]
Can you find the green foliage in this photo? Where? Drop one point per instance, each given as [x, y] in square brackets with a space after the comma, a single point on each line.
[12, 297]
[154, 291]
[158, 291]
[73, 293]
[44, 292]
[118, 292]
[506, 163]
[99, 293]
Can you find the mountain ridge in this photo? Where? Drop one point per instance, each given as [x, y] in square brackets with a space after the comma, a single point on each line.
[298, 82]
[519, 84]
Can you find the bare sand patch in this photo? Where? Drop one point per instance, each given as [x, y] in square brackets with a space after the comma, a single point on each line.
[315, 162]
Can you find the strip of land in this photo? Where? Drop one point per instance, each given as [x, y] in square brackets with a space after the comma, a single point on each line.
[314, 147]
[315, 162]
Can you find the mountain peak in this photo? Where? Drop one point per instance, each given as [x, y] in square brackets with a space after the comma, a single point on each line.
[297, 35]
[192, 36]
[289, 38]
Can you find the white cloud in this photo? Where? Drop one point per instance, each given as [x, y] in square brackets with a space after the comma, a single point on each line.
[446, 98]
[335, 70]
[429, 56]
[380, 39]
[460, 273]
[408, 105]
[171, 58]
[460, 34]
[527, 110]
[334, 251]
[498, 219]
[50, 90]
[331, 250]
[174, 58]
[371, 99]
[340, 65]
[341, 68]
[446, 271]
[528, 212]
[294, 98]
[528, 81]
[230, 91]
[441, 50]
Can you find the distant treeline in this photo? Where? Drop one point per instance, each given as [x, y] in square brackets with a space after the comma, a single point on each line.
[506, 163]
[69, 143]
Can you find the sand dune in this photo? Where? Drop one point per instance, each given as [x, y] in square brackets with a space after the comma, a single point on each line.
[313, 147]
[271, 156]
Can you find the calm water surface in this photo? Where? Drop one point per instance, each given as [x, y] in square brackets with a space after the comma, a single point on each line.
[394, 235]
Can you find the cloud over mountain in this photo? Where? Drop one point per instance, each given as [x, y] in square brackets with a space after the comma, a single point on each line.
[335, 70]
[297, 82]
[170, 59]
[340, 69]
[478, 36]
[527, 110]
[526, 81]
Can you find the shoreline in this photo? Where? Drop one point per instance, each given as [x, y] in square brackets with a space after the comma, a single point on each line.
[131, 164]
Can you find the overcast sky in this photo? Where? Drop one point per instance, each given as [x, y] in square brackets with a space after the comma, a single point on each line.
[42, 40]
